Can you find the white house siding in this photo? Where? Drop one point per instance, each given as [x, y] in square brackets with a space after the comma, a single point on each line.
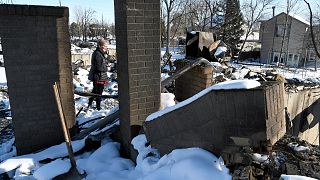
[294, 44]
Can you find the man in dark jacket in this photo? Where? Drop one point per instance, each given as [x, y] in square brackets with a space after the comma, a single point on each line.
[98, 71]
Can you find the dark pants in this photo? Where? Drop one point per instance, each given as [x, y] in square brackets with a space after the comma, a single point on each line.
[97, 89]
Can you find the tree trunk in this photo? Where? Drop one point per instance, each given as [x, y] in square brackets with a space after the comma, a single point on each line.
[312, 36]
[168, 30]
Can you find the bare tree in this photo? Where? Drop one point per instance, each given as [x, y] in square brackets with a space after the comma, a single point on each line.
[170, 7]
[6, 2]
[198, 12]
[253, 10]
[290, 6]
[213, 10]
[84, 18]
[78, 12]
[88, 17]
[312, 33]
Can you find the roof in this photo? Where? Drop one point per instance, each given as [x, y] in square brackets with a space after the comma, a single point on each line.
[297, 17]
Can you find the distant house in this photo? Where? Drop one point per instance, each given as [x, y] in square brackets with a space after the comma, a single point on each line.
[292, 50]
[252, 42]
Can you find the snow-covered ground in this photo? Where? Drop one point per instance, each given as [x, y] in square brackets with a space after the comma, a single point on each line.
[106, 163]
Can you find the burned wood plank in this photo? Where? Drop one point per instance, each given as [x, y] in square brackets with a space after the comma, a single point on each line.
[107, 120]
[95, 95]
[66, 133]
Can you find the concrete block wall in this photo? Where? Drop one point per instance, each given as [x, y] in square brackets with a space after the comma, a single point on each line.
[303, 113]
[275, 114]
[138, 52]
[216, 119]
[36, 49]
[193, 81]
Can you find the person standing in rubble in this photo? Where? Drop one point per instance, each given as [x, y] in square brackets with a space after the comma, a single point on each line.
[98, 71]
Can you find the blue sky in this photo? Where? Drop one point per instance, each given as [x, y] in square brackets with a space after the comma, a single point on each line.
[106, 7]
[102, 7]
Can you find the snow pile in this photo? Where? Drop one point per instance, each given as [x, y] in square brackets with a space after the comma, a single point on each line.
[296, 147]
[53, 169]
[192, 163]
[105, 161]
[29, 161]
[24, 165]
[233, 84]
[295, 177]
[167, 100]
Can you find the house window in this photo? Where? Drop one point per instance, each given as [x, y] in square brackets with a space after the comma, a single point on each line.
[296, 59]
[276, 58]
[293, 60]
[311, 54]
[280, 30]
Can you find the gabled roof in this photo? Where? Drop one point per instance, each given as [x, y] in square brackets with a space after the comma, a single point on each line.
[297, 17]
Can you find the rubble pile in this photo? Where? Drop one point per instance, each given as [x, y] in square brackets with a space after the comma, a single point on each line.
[6, 129]
[289, 155]
[232, 71]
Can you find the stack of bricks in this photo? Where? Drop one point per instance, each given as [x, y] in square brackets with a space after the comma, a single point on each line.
[36, 49]
[193, 81]
[138, 53]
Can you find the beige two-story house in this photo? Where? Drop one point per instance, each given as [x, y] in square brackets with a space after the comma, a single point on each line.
[291, 46]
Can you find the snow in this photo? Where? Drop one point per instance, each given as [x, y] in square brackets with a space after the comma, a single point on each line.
[13, 163]
[253, 36]
[296, 147]
[190, 163]
[81, 81]
[175, 52]
[220, 50]
[233, 84]
[167, 100]
[6, 147]
[51, 170]
[164, 76]
[299, 18]
[295, 177]
[50, 153]
[3, 78]
[105, 162]
[8, 155]
[91, 114]
[107, 158]
[260, 157]
[113, 86]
